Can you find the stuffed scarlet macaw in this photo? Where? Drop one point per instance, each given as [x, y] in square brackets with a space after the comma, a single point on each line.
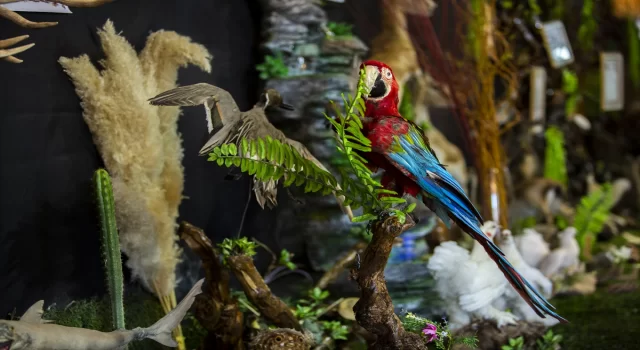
[411, 167]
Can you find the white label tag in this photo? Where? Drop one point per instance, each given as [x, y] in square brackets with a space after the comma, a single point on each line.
[537, 94]
[37, 6]
[612, 81]
[557, 44]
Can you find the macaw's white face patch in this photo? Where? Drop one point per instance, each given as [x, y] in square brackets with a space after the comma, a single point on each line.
[379, 82]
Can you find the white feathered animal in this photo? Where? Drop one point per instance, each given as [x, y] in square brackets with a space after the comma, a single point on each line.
[469, 283]
[532, 246]
[542, 284]
[565, 256]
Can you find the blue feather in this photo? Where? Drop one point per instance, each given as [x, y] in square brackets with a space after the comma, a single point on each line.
[444, 195]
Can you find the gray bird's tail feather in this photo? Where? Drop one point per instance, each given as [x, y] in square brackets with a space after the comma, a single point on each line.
[161, 330]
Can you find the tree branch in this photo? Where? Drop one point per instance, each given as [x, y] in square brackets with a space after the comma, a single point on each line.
[257, 291]
[216, 310]
[374, 310]
[347, 259]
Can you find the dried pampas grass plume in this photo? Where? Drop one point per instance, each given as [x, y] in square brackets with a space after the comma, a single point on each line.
[139, 143]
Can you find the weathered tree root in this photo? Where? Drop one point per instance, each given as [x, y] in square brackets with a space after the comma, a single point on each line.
[270, 306]
[374, 310]
[342, 264]
[216, 310]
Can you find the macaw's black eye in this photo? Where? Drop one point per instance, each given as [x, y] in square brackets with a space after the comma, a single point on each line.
[379, 88]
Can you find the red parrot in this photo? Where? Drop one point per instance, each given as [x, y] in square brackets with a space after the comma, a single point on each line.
[412, 168]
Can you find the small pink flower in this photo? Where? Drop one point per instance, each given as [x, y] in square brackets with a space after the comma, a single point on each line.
[431, 331]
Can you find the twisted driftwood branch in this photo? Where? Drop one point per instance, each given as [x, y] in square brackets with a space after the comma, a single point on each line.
[257, 291]
[374, 310]
[216, 310]
[343, 263]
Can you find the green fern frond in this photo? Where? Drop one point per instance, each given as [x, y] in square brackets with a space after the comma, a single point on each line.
[555, 166]
[350, 140]
[591, 215]
[269, 159]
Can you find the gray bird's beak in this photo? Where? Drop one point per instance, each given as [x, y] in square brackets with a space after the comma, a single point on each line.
[286, 106]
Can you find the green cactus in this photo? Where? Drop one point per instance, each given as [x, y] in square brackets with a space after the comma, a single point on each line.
[110, 246]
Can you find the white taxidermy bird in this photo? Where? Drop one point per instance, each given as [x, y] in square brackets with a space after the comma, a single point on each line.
[469, 282]
[532, 246]
[512, 299]
[566, 256]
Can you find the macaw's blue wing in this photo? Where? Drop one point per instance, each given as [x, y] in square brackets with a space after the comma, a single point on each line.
[412, 154]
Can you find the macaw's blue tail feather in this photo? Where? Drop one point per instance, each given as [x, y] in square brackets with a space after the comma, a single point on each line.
[412, 155]
[537, 302]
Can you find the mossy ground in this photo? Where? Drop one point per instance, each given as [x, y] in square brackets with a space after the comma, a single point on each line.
[141, 310]
[600, 321]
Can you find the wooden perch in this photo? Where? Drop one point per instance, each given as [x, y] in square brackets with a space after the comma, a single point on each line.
[270, 306]
[374, 310]
[8, 54]
[216, 310]
[343, 263]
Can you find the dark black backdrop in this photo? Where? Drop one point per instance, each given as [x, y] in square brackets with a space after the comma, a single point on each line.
[48, 229]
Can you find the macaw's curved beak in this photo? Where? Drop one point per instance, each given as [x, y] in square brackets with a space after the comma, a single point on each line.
[286, 106]
[373, 81]
[379, 88]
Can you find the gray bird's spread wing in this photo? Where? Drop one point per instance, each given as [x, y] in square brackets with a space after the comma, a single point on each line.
[218, 103]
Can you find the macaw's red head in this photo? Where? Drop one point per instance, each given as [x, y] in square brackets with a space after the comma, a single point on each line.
[383, 97]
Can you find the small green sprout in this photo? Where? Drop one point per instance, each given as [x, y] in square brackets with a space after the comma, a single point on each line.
[240, 246]
[340, 29]
[285, 260]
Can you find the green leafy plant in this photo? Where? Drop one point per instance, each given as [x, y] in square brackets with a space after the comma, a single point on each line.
[240, 246]
[555, 166]
[340, 29]
[110, 246]
[444, 339]
[269, 159]
[313, 306]
[285, 260]
[549, 341]
[591, 215]
[273, 67]
[336, 329]
[514, 344]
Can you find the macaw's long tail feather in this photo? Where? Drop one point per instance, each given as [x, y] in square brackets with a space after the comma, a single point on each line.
[537, 302]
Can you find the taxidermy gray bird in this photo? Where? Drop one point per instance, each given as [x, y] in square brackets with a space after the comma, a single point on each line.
[228, 124]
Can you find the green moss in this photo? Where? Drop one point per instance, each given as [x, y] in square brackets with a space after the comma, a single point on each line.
[599, 321]
[143, 310]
